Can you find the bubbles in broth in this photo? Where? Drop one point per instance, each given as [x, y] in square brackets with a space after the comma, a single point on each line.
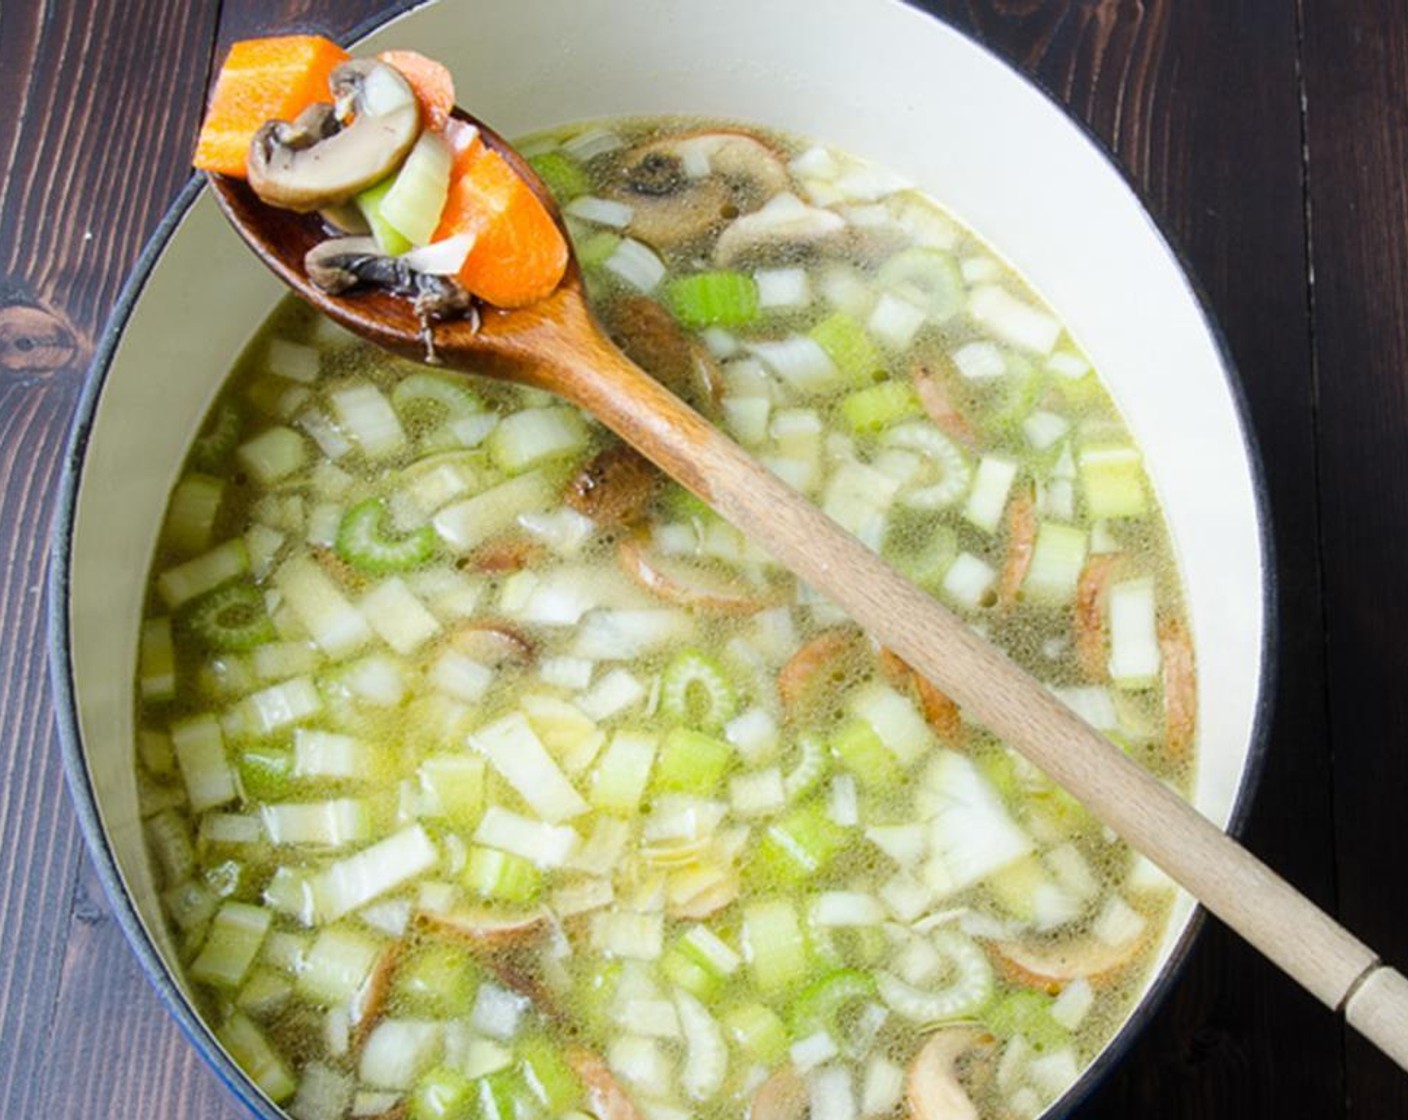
[489, 775]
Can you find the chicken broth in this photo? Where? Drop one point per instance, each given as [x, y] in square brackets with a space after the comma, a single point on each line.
[489, 775]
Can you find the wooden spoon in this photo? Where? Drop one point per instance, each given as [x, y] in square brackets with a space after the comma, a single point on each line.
[557, 345]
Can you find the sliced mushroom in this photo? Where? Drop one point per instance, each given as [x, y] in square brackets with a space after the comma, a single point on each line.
[820, 671]
[929, 387]
[1180, 688]
[653, 339]
[494, 644]
[370, 1002]
[932, 1088]
[505, 555]
[1092, 594]
[318, 161]
[687, 584]
[1052, 967]
[783, 1096]
[344, 262]
[615, 487]
[681, 187]
[1021, 546]
[484, 929]
[784, 227]
[608, 1100]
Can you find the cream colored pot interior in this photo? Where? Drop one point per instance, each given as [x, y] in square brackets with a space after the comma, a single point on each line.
[872, 76]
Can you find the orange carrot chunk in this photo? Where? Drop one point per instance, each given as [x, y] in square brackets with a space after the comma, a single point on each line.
[519, 254]
[434, 87]
[262, 80]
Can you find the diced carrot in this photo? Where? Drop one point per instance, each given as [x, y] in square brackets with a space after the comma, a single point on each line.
[434, 87]
[262, 80]
[519, 254]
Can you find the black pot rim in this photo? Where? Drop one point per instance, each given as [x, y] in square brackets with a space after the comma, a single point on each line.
[66, 709]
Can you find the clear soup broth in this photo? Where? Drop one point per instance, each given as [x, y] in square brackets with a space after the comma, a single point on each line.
[489, 775]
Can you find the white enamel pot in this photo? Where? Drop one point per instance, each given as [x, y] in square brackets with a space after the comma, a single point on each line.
[914, 96]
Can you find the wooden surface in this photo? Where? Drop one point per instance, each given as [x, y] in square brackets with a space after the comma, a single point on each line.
[1269, 140]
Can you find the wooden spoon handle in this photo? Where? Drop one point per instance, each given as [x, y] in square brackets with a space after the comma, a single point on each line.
[1279, 921]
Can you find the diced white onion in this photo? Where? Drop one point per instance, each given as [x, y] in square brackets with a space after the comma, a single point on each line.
[1134, 643]
[978, 361]
[545, 844]
[602, 211]
[968, 580]
[519, 756]
[811, 1051]
[440, 258]
[637, 265]
[782, 287]
[395, 613]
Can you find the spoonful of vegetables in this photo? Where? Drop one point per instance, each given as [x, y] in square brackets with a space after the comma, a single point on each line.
[415, 226]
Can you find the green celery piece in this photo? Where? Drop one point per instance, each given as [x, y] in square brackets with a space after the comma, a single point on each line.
[388, 239]
[1027, 1013]
[877, 407]
[266, 773]
[548, 1076]
[847, 344]
[758, 1030]
[680, 968]
[692, 762]
[219, 437]
[798, 846]
[363, 541]
[564, 176]
[823, 1004]
[437, 980]
[707, 299]
[501, 1095]
[861, 751]
[689, 673]
[416, 199]
[232, 618]
[594, 248]
[501, 876]
[443, 1094]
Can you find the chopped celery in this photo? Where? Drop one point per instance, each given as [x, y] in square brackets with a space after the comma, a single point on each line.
[927, 278]
[515, 751]
[413, 203]
[224, 562]
[810, 768]
[219, 438]
[692, 762]
[534, 436]
[236, 933]
[501, 876]
[597, 247]
[191, 514]
[337, 965]
[694, 690]
[157, 673]
[548, 1076]
[253, 1054]
[708, 299]
[366, 415]
[849, 347]
[564, 176]
[443, 1094]
[623, 772]
[759, 1031]
[200, 754]
[1057, 559]
[863, 752]
[777, 947]
[389, 239]
[470, 522]
[877, 407]
[273, 454]
[437, 980]
[992, 483]
[363, 541]
[432, 393]
[1027, 1013]
[1112, 482]
[232, 618]
[502, 1096]
[684, 971]
[799, 845]
[453, 785]
[827, 1004]
[266, 773]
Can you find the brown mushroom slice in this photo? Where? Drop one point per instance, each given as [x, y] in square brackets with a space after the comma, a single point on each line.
[615, 487]
[687, 584]
[371, 1000]
[652, 338]
[315, 162]
[782, 1096]
[506, 555]
[820, 669]
[342, 263]
[1052, 967]
[681, 187]
[932, 1088]
[486, 929]
[608, 1100]
[494, 644]
[934, 398]
[782, 227]
[1092, 594]
[1180, 688]
[1021, 545]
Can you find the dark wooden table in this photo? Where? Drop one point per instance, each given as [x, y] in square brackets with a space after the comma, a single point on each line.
[1267, 136]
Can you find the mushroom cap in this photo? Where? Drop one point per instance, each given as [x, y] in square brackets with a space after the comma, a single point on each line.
[781, 227]
[681, 187]
[317, 161]
[932, 1089]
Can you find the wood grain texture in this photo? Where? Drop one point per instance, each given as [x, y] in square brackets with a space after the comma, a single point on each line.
[1201, 102]
[1356, 76]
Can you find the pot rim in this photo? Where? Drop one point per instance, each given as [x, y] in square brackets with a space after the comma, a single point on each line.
[154, 965]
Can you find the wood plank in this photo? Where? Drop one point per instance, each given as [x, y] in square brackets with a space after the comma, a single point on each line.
[1356, 75]
[1198, 101]
[90, 89]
